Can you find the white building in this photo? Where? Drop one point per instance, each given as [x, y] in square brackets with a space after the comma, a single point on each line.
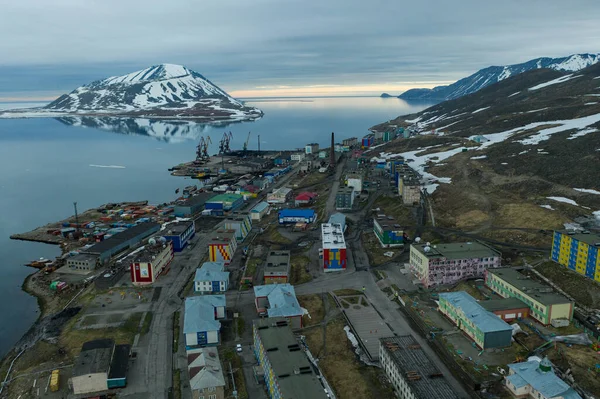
[211, 278]
[259, 210]
[280, 196]
[536, 379]
[299, 156]
[354, 180]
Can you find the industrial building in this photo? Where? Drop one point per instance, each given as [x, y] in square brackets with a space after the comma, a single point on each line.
[180, 233]
[241, 224]
[278, 300]
[211, 278]
[280, 196]
[149, 263]
[100, 366]
[201, 325]
[82, 262]
[334, 248]
[259, 211]
[536, 379]
[311, 148]
[191, 205]
[388, 232]
[305, 198]
[412, 373]
[450, 263]
[205, 373]
[119, 242]
[222, 246]
[507, 309]
[287, 371]
[483, 327]
[545, 305]
[277, 267]
[355, 180]
[222, 203]
[344, 198]
[579, 252]
[286, 216]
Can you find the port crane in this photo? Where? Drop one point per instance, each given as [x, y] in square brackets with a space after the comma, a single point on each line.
[224, 146]
[202, 149]
[245, 148]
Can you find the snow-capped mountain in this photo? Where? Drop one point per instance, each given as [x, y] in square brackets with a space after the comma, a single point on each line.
[164, 90]
[494, 74]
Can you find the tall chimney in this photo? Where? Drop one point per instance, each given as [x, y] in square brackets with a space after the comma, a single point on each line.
[332, 151]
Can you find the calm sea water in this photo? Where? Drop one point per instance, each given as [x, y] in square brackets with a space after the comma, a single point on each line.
[47, 164]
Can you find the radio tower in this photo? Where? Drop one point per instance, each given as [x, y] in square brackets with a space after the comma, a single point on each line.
[332, 152]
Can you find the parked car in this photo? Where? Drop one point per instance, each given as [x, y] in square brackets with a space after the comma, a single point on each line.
[238, 348]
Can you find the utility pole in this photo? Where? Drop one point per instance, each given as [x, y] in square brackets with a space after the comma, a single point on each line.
[259, 145]
[233, 381]
[76, 216]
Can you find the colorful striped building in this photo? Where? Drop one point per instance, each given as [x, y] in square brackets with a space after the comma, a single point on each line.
[241, 223]
[222, 246]
[578, 251]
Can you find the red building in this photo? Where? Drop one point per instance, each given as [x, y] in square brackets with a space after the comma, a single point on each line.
[151, 262]
[305, 198]
[508, 309]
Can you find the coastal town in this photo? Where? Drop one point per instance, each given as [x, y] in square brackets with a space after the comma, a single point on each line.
[307, 273]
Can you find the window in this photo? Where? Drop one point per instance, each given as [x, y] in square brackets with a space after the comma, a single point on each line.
[212, 389]
[212, 396]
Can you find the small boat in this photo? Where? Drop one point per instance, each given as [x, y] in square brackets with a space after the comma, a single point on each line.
[39, 264]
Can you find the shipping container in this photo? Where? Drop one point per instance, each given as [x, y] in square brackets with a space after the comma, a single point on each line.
[55, 380]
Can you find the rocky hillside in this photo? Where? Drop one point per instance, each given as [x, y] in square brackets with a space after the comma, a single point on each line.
[495, 74]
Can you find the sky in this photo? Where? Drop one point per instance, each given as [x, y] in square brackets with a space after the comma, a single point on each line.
[283, 47]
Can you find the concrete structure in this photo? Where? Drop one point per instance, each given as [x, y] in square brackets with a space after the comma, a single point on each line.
[180, 233]
[211, 278]
[352, 141]
[241, 224]
[259, 211]
[411, 191]
[449, 263]
[388, 232]
[311, 148]
[412, 373]
[344, 198]
[334, 248]
[205, 373]
[297, 157]
[545, 305]
[192, 205]
[149, 263]
[83, 262]
[483, 327]
[536, 380]
[100, 366]
[305, 198]
[222, 246]
[280, 196]
[355, 180]
[339, 219]
[222, 203]
[278, 300]
[507, 309]
[277, 267]
[201, 325]
[287, 371]
[579, 252]
[119, 242]
[286, 216]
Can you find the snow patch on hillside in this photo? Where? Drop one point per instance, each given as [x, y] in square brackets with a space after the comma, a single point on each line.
[587, 190]
[547, 207]
[564, 200]
[562, 79]
[480, 109]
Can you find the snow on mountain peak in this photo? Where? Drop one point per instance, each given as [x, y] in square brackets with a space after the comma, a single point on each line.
[156, 72]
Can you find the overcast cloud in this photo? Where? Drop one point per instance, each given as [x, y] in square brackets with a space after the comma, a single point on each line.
[52, 46]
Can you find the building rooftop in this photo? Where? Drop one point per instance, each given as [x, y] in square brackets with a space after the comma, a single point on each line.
[503, 304]
[177, 227]
[462, 250]
[282, 299]
[296, 212]
[205, 368]
[95, 357]
[421, 374]
[277, 261]
[150, 252]
[120, 362]
[222, 236]
[387, 222]
[282, 191]
[345, 190]
[532, 288]
[484, 320]
[141, 230]
[212, 271]
[225, 198]
[332, 236]
[261, 206]
[295, 375]
[545, 382]
[198, 199]
[338, 218]
[200, 313]
[84, 257]
[589, 238]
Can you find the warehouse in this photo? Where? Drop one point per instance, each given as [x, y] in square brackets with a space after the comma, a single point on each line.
[201, 325]
[121, 241]
[296, 215]
[82, 262]
[149, 263]
[278, 300]
[222, 203]
[412, 373]
[222, 246]
[388, 231]
[287, 371]
[241, 224]
[483, 327]
[545, 305]
[192, 205]
[211, 278]
[280, 196]
[180, 233]
[508, 309]
[334, 248]
[344, 198]
[277, 267]
[259, 211]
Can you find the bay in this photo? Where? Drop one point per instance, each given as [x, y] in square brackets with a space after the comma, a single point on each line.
[46, 164]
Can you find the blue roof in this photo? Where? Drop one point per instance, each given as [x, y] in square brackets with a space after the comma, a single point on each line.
[547, 383]
[484, 320]
[297, 213]
[338, 218]
[261, 206]
[200, 313]
[282, 299]
[212, 271]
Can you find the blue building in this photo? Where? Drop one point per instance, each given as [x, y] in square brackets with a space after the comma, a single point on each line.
[297, 215]
[191, 205]
[119, 242]
[211, 278]
[222, 203]
[201, 325]
[180, 233]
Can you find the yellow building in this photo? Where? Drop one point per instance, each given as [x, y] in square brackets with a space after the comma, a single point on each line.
[578, 252]
[545, 305]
